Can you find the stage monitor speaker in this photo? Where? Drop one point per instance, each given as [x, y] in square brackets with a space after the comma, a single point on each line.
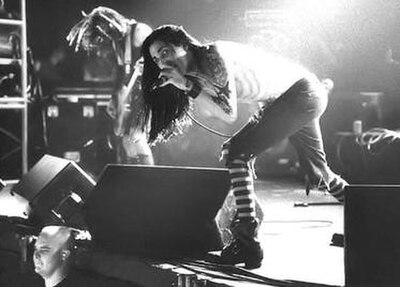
[372, 235]
[157, 210]
[56, 189]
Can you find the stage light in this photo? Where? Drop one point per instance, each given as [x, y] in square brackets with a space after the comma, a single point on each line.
[53, 112]
[72, 155]
[88, 112]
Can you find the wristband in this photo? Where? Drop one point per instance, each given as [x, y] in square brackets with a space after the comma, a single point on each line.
[195, 91]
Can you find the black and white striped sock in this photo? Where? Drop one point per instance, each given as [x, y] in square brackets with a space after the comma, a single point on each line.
[336, 188]
[242, 186]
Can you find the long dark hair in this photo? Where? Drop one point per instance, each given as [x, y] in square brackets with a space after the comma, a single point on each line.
[165, 107]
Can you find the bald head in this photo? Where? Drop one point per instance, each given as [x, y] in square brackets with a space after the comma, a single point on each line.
[56, 236]
[53, 250]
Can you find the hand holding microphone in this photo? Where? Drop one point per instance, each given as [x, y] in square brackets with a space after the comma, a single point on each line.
[170, 76]
[158, 83]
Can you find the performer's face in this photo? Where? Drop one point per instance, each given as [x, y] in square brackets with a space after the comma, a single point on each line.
[169, 56]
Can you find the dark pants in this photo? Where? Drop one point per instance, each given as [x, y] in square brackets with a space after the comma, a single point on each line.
[294, 115]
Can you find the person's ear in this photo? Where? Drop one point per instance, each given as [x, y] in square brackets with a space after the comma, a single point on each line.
[65, 254]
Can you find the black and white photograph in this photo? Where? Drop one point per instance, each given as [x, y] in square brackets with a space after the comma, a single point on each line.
[196, 143]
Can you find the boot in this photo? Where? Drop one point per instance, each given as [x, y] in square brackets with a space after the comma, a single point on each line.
[336, 187]
[244, 248]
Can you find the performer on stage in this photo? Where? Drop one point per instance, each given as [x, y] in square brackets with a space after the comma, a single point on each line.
[180, 71]
[104, 27]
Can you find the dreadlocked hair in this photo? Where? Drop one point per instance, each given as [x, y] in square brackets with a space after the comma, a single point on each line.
[165, 107]
[101, 23]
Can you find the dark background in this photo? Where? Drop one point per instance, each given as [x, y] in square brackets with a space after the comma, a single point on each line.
[356, 43]
[346, 40]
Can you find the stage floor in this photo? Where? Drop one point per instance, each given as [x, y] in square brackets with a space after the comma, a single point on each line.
[297, 240]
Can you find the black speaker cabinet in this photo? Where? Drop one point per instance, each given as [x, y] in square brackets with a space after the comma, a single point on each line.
[372, 235]
[78, 127]
[157, 210]
[56, 189]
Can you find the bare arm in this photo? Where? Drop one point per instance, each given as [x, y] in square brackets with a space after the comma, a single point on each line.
[210, 103]
[142, 30]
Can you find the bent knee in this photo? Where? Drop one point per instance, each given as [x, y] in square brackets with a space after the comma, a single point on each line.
[241, 159]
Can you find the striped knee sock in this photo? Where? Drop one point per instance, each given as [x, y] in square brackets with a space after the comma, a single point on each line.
[336, 188]
[242, 186]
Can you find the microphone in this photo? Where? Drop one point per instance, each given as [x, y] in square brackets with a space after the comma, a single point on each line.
[157, 83]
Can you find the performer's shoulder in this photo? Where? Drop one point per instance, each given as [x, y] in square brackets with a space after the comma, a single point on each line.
[239, 50]
[213, 65]
[225, 45]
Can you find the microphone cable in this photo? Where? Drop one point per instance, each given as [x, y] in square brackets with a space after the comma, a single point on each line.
[207, 128]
